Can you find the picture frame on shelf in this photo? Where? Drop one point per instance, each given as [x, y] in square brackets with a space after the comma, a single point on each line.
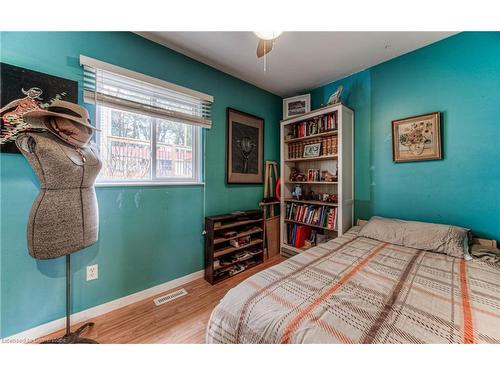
[296, 106]
[417, 138]
[312, 150]
[245, 148]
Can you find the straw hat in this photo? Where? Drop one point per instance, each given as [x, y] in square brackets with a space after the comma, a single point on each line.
[79, 134]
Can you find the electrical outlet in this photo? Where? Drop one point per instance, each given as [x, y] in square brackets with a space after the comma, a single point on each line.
[92, 272]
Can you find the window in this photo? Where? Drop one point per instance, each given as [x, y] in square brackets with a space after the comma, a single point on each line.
[135, 147]
[151, 130]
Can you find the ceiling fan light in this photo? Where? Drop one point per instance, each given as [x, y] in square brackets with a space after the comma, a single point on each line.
[267, 35]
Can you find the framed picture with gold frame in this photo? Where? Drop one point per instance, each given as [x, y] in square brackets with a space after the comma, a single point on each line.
[417, 138]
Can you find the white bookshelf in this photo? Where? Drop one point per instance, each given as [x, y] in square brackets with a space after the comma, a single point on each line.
[343, 160]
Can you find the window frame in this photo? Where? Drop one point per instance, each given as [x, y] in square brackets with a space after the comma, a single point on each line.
[197, 151]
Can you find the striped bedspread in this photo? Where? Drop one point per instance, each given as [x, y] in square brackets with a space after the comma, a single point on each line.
[358, 290]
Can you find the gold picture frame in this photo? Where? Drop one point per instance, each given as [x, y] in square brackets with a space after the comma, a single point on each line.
[417, 138]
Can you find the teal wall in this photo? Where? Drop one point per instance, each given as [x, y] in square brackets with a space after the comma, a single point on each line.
[458, 76]
[356, 95]
[148, 235]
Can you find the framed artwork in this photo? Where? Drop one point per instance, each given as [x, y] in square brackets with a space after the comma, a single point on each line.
[312, 151]
[245, 148]
[297, 105]
[24, 90]
[417, 138]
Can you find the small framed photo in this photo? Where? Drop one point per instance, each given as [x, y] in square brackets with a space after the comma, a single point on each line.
[417, 138]
[296, 106]
[312, 151]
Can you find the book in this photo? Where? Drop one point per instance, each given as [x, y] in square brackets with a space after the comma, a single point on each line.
[302, 234]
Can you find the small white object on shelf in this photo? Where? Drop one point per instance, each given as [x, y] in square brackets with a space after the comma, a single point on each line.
[335, 97]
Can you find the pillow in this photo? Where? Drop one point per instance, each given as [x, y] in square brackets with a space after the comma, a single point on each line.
[446, 239]
[485, 253]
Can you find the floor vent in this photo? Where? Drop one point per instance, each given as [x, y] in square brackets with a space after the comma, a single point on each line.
[170, 297]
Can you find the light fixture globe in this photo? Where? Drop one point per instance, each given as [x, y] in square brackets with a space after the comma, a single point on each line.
[267, 35]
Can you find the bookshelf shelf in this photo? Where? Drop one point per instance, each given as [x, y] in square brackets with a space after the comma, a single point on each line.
[220, 279]
[312, 182]
[232, 249]
[237, 224]
[309, 225]
[219, 240]
[332, 127]
[324, 157]
[309, 137]
[237, 261]
[317, 203]
[292, 248]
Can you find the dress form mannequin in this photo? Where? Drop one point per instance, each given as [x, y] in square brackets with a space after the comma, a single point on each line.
[64, 217]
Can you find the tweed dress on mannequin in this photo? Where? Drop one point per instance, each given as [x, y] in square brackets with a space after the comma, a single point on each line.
[64, 217]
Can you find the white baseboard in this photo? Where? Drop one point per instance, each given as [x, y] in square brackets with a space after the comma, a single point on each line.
[55, 325]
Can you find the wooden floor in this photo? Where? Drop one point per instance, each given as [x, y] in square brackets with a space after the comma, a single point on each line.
[183, 320]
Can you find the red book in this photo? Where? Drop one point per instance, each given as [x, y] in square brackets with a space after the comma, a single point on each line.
[302, 235]
[331, 219]
[302, 212]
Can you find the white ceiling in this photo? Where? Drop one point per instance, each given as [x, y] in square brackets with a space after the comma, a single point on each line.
[299, 61]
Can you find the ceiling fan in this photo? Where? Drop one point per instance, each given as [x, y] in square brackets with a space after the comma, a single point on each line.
[266, 41]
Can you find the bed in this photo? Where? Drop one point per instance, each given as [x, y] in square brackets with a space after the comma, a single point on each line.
[361, 288]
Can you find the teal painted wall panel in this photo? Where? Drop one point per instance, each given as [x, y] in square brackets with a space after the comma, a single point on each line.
[148, 235]
[356, 94]
[460, 77]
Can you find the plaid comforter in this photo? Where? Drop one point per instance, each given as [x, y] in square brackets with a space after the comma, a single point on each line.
[358, 290]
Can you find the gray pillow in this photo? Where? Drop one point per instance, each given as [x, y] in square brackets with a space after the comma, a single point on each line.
[439, 238]
[485, 253]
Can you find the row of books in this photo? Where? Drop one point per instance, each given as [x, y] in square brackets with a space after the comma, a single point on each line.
[327, 145]
[298, 234]
[316, 125]
[322, 216]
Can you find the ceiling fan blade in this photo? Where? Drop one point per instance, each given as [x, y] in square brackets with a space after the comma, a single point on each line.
[264, 46]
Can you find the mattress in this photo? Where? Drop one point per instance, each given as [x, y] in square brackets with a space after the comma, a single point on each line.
[359, 290]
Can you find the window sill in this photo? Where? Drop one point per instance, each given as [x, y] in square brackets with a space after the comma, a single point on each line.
[147, 183]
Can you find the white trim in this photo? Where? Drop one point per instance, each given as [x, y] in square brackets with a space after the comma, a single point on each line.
[55, 325]
[147, 183]
[93, 63]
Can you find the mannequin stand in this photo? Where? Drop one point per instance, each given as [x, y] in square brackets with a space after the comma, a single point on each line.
[71, 337]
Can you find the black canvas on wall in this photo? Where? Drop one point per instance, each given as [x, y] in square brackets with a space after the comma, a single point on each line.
[245, 148]
[245, 151]
[24, 89]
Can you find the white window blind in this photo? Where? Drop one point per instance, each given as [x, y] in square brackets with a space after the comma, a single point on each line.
[123, 89]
